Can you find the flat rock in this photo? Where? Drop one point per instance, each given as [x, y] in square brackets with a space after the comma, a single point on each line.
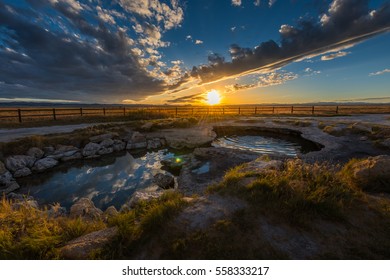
[140, 196]
[43, 164]
[107, 143]
[91, 149]
[164, 181]
[74, 156]
[23, 172]
[153, 144]
[85, 208]
[105, 151]
[14, 163]
[35, 153]
[82, 247]
[118, 145]
[372, 174]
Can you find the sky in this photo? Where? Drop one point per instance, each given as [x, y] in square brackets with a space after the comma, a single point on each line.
[177, 51]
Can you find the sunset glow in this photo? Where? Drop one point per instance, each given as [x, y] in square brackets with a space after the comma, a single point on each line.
[213, 97]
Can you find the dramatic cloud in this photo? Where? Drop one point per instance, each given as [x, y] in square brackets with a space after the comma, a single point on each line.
[380, 72]
[345, 23]
[334, 55]
[189, 99]
[87, 52]
[198, 42]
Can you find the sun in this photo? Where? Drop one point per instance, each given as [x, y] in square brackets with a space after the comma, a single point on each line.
[213, 97]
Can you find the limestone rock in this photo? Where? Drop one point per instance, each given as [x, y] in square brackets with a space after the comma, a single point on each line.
[102, 137]
[9, 187]
[91, 149]
[118, 145]
[64, 151]
[56, 211]
[140, 196]
[14, 163]
[147, 126]
[107, 143]
[74, 156]
[43, 164]
[25, 204]
[386, 143]
[372, 174]
[105, 151]
[137, 141]
[23, 172]
[18, 197]
[2, 168]
[164, 181]
[85, 208]
[35, 153]
[110, 212]
[83, 246]
[260, 166]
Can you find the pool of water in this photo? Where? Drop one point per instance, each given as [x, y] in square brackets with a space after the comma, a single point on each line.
[259, 144]
[106, 181]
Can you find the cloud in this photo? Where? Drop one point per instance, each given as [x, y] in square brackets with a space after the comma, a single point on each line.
[198, 42]
[310, 72]
[271, 3]
[80, 51]
[345, 23]
[256, 3]
[334, 55]
[379, 72]
[236, 2]
[194, 98]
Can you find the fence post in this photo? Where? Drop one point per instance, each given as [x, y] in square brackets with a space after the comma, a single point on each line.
[81, 111]
[176, 111]
[239, 110]
[223, 110]
[20, 115]
[337, 110]
[273, 109]
[312, 110]
[104, 111]
[54, 114]
[255, 110]
[124, 111]
[292, 110]
[192, 110]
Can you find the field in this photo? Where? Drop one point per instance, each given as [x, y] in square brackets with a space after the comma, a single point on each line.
[11, 116]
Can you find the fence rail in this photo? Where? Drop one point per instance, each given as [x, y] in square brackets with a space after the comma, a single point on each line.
[30, 114]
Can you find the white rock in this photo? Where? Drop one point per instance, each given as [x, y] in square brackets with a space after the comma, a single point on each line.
[23, 172]
[107, 143]
[91, 149]
[14, 163]
[43, 164]
[35, 153]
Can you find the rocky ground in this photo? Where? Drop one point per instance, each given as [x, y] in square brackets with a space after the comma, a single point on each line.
[340, 139]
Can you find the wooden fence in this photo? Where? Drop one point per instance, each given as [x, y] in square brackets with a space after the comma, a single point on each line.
[29, 114]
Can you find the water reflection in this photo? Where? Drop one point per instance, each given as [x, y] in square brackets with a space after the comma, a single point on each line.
[109, 181]
[259, 144]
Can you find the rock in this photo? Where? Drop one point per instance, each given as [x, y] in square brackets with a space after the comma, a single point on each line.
[260, 166]
[107, 143]
[334, 130]
[118, 145]
[91, 149]
[2, 168]
[14, 163]
[360, 128]
[137, 137]
[132, 146]
[105, 151]
[9, 187]
[18, 197]
[48, 150]
[25, 204]
[83, 246]
[74, 156]
[372, 174]
[22, 172]
[153, 144]
[102, 137]
[140, 196]
[110, 212]
[7, 181]
[147, 126]
[164, 181]
[35, 153]
[85, 208]
[64, 151]
[56, 211]
[43, 164]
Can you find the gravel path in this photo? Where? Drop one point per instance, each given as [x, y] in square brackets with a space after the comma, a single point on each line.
[7, 135]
